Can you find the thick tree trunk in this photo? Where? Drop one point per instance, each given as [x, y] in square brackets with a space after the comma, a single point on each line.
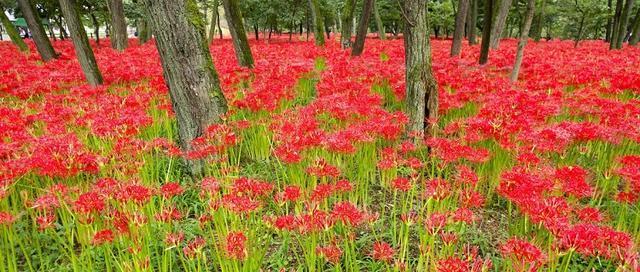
[81, 42]
[472, 21]
[318, 22]
[422, 89]
[635, 30]
[238, 34]
[214, 19]
[499, 23]
[382, 34]
[458, 33]
[12, 32]
[40, 37]
[347, 20]
[624, 23]
[144, 35]
[486, 32]
[538, 22]
[616, 24]
[119, 37]
[524, 36]
[361, 35]
[188, 70]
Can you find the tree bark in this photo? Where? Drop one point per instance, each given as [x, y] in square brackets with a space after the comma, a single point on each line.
[458, 33]
[580, 30]
[472, 21]
[635, 30]
[538, 22]
[119, 37]
[81, 42]
[361, 35]
[524, 37]
[624, 23]
[96, 27]
[486, 32]
[607, 36]
[347, 23]
[144, 35]
[188, 70]
[616, 23]
[214, 19]
[40, 37]
[238, 34]
[499, 23]
[421, 86]
[318, 22]
[382, 33]
[12, 32]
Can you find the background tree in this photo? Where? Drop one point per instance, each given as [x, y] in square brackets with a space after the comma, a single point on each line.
[81, 42]
[348, 12]
[538, 21]
[189, 72]
[499, 22]
[422, 90]
[317, 21]
[119, 36]
[472, 19]
[486, 31]
[38, 34]
[363, 25]
[11, 30]
[382, 34]
[524, 37]
[623, 22]
[635, 30]
[458, 33]
[238, 34]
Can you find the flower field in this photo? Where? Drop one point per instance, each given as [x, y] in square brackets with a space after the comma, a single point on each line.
[311, 170]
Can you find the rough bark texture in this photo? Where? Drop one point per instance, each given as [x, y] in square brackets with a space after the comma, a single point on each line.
[499, 23]
[119, 37]
[96, 27]
[635, 31]
[458, 33]
[144, 30]
[607, 36]
[422, 90]
[382, 33]
[347, 23]
[486, 31]
[318, 22]
[12, 32]
[538, 22]
[624, 23]
[81, 42]
[37, 30]
[361, 35]
[524, 36]
[238, 34]
[616, 24]
[472, 21]
[188, 70]
[214, 20]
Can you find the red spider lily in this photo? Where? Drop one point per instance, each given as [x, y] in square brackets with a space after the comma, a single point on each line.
[331, 253]
[89, 202]
[251, 187]
[343, 186]
[437, 188]
[174, 239]
[6, 218]
[321, 192]
[171, 189]
[194, 247]
[401, 184]
[240, 204]
[209, 186]
[136, 193]
[323, 169]
[453, 264]
[574, 182]
[46, 221]
[382, 252]
[314, 221]
[290, 193]
[436, 222]
[169, 215]
[235, 246]
[527, 256]
[103, 237]
[347, 213]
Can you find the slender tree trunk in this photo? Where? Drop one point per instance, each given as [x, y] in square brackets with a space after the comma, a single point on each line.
[144, 35]
[473, 18]
[119, 39]
[12, 32]
[52, 35]
[616, 23]
[220, 34]
[214, 19]
[81, 42]
[580, 30]
[539, 22]
[609, 22]
[458, 33]
[40, 37]
[347, 20]
[361, 35]
[238, 34]
[96, 27]
[382, 34]
[635, 30]
[63, 33]
[188, 70]
[318, 22]
[524, 37]
[422, 89]
[624, 23]
[499, 23]
[486, 32]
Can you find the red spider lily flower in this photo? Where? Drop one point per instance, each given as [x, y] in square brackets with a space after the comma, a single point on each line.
[437, 188]
[414, 163]
[251, 187]
[103, 237]
[290, 193]
[169, 215]
[322, 192]
[401, 184]
[527, 256]
[331, 253]
[409, 218]
[593, 240]
[471, 199]
[436, 222]
[343, 186]
[590, 215]
[382, 252]
[240, 204]
[171, 189]
[453, 264]
[285, 222]
[89, 202]
[236, 245]
[348, 213]
[46, 221]
[6, 218]
[323, 169]
[574, 182]
[315, 221]
[136, 193]
[174, 239]
[464, 215]
[209, 186]
[466, 176]
[46, 202]
[120, 222]
[194, 247]
[448, 237]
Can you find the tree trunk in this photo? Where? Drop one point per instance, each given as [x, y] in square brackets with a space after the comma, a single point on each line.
[96, 27]
[188, 70]
[458, 33]
[580, 29]
[214, 19]
[607, 36]
[81, 42]
[635, 30]
[38, 34]
[12, 32]
[486, 32]
[144, 35]
[238, 34]
[524, 37]
[52, 35]
[421, 86]
[382, 34]
[538, 22]
[347, 20]
[361, 35]
[499, 23]
[220, 34]
[63, 33]
[624, 23]
[616, 23]
[119, 39]
[473, 19]
[318, 22]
